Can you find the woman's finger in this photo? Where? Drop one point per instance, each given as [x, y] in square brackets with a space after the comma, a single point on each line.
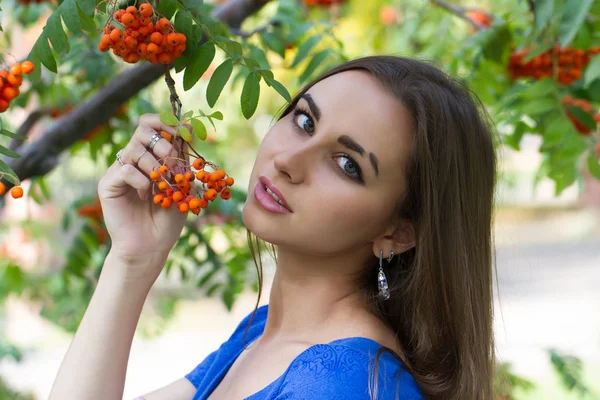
[120, 178]
[162, 149]
[135, 153]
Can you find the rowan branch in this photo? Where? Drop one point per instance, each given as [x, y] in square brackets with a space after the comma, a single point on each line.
[261, 29]
[25, 128]
[40, 157]
[459, 12]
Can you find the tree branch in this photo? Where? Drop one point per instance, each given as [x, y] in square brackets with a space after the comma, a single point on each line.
[458, 11]
[40, 157]
[241, 33]
[25, 128]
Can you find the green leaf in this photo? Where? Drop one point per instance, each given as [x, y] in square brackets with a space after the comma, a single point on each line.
[12, 135]
[217, 115]
[514, 140]
[167, 118]
[183, 23]
[540, 106]
[190, 4]
[305, 49]
[187, 115]
[9, 152]
[543, 12]
[582, 116]
[184, 133]
[494, 48]
[70, 16]
[233, 47]
[593, 164]
[44, 187]
[54, 31]
[198, 65]
[592, 72]
[217, 81]
[273, 42]
[87, 22]
[9, 174]
[250, 95]
[167, 8]
[537, 51]
[280, 89]
[199, 128]
[44, 54]
[541, 88]
[317, 61]
[573, 17]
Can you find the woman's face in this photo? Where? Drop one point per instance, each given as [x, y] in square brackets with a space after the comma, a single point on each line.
[337, 159]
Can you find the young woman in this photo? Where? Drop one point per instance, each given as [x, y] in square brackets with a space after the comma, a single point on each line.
[376, 187]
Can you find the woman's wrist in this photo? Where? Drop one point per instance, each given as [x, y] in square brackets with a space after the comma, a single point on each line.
[136, 274]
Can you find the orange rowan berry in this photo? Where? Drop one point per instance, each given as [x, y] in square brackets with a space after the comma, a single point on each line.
[135, 24]
[152, 49]
[198, 164]
[220, 173]
[9, 93]
[182, 38]
[184, 207]
[164, 58]
[226, 194]
[118, 14]
[15, 69]
[163, 185]
[210, 194]
[205, 178]
[141, 49]
[116, 35]
[200, 175]
[2, 188]
[167, 202]
[163, 169]
[131, 10]
[132, 58]
[203, 203]
[156, 38]
[127, 19]
[15, 80]
[196, 211]
[146, 10]
[214, 176]
[173, 38]
[178, 196]
[169, 192]
[179, 178]
[163, 25]
[158, 199]
[3, 105]
[194, 203]
[144, 30]
[166, 135]
[131, 43]
[16, 192]
[154, 175]
[103, 47]
[221, 183]
[105, 39]
[229, 181]
[189, 176]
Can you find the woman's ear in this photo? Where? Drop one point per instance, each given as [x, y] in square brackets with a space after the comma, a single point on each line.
[398, 239]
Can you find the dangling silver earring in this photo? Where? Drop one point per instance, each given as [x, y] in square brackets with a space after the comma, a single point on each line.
[382, 284]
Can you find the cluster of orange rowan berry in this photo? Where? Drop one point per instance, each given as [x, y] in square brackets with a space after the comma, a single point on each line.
[10, 81]
[584, 105]
[157, 41]
[570, 63]
[16, 192]
[180, 191]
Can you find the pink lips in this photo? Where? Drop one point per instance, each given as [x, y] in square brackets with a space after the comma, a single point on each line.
[266, 200]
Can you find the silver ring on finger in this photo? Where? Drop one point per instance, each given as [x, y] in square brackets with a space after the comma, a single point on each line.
[119, 159]
[140, 156]
[155, 138]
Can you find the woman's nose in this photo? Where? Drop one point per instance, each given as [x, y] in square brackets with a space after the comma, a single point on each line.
[293, 162]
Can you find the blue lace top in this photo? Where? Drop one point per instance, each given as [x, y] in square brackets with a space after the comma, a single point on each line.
[338, 370]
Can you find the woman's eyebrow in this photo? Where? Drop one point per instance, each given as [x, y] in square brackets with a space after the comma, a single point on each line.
[351, 144]
[312, 105]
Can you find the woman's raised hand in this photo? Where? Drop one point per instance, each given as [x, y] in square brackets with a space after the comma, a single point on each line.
[139, 229]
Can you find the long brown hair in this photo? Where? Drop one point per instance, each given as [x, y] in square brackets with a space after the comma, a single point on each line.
[441, 304]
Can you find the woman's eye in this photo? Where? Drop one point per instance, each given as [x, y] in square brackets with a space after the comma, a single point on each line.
[349, 167]
[305, 122]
